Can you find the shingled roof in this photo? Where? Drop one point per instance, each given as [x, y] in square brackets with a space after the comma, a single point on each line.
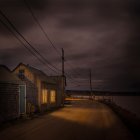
[6, 76]
[44, 77]
[37, 72]
[40, 74]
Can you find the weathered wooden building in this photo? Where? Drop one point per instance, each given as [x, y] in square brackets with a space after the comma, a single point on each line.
[30, 97]
[59, 88]
[49, 91]
[9, 94]
[17, 97]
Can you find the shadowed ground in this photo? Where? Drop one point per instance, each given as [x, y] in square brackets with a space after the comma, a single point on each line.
[82, 120]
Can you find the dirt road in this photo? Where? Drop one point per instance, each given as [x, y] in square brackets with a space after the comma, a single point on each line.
[82, 120]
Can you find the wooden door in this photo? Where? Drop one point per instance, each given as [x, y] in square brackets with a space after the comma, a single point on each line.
[22, 99]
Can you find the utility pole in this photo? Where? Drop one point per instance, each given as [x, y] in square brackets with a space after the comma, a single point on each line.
[90, 76]
[63, 78]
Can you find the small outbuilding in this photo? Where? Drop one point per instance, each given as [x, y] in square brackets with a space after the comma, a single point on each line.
[49, 89]
[17, 96]
[10, 103]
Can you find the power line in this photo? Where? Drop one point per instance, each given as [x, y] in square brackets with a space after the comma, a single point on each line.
[41, 27]
[31, 49]
[70, 78]
[20, 40]
[74, 71]
[45, 33]
[35, 50]
[33, 53]
[74, 78]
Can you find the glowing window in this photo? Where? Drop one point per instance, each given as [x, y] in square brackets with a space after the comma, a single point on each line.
[44, 95]
[52, 96]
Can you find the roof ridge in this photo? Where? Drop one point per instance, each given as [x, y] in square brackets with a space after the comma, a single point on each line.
[4, 66]
[33, 68]
[36, 69]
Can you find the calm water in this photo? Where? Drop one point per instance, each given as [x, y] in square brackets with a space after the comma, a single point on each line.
[131, 103]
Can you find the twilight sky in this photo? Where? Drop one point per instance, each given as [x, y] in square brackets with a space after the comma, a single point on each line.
[102, 35]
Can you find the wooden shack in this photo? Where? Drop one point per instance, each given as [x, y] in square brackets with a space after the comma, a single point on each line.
[48, 91]
[59, 88]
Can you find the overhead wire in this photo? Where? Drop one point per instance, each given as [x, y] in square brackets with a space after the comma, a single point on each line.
[74, 71]
[33, 53]
[34, 49]
[41, 27]
[20, 41]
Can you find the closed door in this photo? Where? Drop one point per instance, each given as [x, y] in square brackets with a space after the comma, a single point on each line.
[22, 99]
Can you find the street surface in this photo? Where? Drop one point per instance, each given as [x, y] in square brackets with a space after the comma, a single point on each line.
[82, 120]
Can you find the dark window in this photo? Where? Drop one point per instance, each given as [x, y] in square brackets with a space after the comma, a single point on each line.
[21, 73]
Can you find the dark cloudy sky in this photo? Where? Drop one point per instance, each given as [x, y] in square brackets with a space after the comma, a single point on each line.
[102, 35]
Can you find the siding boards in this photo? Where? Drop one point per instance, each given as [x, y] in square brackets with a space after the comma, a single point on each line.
[31, 97]
[9, 101]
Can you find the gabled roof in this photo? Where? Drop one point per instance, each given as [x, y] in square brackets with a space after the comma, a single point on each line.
[37, 72]
[6, 76]
[40, 74]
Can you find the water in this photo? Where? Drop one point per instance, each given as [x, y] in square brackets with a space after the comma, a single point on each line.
[130, 103]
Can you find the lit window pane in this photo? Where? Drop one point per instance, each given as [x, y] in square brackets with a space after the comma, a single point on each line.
[44, 95]
[53, 96]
